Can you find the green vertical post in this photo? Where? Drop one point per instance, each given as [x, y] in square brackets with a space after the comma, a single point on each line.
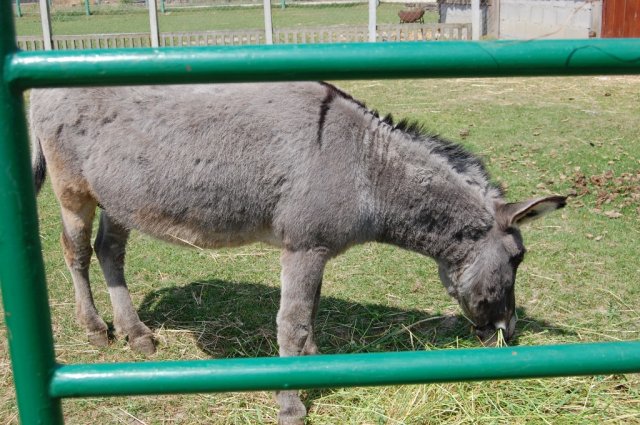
[18, 9]
[162, 6]
[22, 280]
[283, 4]
[87, 9]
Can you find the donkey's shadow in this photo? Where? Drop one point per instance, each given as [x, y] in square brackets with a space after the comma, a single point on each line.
[237, 319]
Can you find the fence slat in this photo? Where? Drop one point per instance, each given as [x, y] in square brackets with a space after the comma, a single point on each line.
[327, 61]
[345, 370]
[22, 277]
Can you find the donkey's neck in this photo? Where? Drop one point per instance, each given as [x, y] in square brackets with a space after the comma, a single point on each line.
[433, 197]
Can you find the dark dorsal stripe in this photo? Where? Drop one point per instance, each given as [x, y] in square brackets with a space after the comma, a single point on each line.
[330, 94]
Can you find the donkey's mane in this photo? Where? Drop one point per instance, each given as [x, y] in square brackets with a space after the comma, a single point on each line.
[458, 157]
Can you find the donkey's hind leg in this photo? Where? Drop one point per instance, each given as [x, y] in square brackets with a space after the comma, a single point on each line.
[110, 247]
[77, 218]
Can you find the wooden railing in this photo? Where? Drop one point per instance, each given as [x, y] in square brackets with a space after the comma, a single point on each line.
[329, 34]
[424, 32]
[212, 38]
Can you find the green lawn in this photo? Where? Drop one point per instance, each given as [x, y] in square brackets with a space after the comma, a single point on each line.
[578, 283]
[137, 20]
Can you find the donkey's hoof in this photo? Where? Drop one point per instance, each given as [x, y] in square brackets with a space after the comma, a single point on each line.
[310, 349]
[289, 420]
[292, 410]
[98, 338]
[143, 344]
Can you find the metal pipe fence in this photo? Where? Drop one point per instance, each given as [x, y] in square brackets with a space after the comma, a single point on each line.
[41, 382]
[344, 370]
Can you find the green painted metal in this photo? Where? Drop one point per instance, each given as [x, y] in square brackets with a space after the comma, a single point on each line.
[345, 370]
[18, 9]
[87, 9]
[21, 269]
[324, 61]
[163, 8]
[40, 383]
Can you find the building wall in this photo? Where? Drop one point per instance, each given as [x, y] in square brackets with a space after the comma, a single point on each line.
[526, 19]
[529, 19]
[460, 13]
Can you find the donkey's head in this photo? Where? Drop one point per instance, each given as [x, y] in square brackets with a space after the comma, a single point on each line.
[484, 283]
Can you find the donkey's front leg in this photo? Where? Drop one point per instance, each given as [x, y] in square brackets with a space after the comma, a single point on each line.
[310, 346]
[110, 249]
[301, 280]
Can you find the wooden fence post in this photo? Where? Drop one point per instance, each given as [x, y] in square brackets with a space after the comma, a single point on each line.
[373, 4]
[45, 20]
[153, 21]
[268, 23]
[475, 20]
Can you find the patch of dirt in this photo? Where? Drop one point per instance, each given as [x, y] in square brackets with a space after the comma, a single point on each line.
[613, 192]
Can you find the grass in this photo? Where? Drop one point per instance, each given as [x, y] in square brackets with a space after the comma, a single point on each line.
[579, 282]
[137, 20]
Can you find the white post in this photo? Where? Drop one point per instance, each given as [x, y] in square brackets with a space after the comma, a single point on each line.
[45, 19]
[153, 21]
[475, 20]
[268, 24]
[373, 4]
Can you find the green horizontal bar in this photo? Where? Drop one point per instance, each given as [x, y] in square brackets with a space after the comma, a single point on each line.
[324, 61]
[345, 370]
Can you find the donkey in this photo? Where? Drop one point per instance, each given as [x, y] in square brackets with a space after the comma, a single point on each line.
[302, 166]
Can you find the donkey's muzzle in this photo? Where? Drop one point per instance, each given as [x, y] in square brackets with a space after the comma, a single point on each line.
[488, 334]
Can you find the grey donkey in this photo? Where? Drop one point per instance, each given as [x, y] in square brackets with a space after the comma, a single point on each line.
[302, 166]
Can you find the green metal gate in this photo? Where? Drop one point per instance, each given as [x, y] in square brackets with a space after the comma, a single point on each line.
[41, 382]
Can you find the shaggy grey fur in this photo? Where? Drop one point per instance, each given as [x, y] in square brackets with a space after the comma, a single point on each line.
[302, 166]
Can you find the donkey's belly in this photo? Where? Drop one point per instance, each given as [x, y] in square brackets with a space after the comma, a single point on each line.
[182, 214]
[222, 205]
[199, 232]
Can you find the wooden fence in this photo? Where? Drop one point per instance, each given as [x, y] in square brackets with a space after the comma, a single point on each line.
[330, 34]
[212, 38]
[424, 32]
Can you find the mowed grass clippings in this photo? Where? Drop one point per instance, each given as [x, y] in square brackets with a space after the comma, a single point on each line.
[578, 283]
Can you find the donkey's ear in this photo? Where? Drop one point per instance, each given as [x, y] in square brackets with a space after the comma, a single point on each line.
[520, 213]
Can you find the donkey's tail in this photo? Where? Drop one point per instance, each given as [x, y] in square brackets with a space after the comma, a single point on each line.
[38, 163]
